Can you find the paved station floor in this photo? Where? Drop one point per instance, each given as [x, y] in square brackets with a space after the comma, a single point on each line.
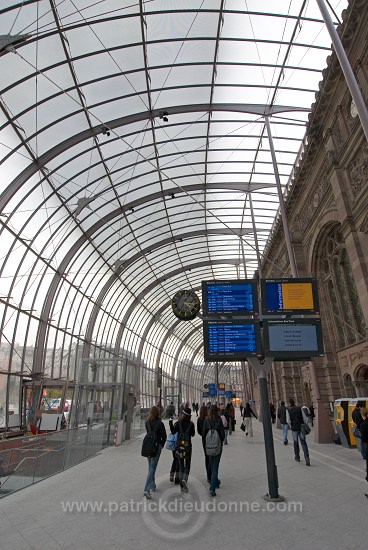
[99, 504]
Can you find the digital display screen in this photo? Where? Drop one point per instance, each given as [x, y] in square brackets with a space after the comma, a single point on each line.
[289, 339]
[231, 340]
[238, 296]
[296, 296]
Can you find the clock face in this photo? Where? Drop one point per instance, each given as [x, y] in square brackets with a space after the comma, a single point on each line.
[353, 109]
[185, 305]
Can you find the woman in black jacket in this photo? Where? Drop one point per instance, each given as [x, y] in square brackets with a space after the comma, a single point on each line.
[200, 422]
[153, 422]
[184, 427]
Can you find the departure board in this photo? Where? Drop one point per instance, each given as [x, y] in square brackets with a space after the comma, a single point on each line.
[294, 296]
[231, 340]
[238, 296]
[288, 339]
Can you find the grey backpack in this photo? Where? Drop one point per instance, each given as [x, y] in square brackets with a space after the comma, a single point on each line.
[213, 442]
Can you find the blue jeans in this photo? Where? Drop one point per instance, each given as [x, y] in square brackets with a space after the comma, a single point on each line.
[361, 447]
[285, 429]
[214, 462]
[301, 436]
[152, 465]
[207, 463]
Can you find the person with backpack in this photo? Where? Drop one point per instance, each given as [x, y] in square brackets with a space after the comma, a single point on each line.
[152, 444]
[213, 435]
[296, 420]
[184, 427]
[200, 422]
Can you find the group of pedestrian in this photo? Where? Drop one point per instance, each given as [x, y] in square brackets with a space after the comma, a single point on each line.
[210, 427]
[215, 424]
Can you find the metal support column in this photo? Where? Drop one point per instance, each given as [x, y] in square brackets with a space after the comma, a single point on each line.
[262, 368]
[217, 384]
[289, 245]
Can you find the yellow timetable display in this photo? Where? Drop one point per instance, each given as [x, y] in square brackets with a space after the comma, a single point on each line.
[293, 296]
[297, 296]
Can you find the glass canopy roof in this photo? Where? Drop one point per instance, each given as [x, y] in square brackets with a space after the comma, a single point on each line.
[135, 161]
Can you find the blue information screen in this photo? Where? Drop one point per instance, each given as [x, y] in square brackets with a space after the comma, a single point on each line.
[229, 297]
[274, 296]
[230, 340]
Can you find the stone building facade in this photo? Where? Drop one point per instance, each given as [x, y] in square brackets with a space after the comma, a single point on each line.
[327, 212]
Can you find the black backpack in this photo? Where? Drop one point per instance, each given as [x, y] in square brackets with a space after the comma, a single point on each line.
[150, 442]
[183, 448]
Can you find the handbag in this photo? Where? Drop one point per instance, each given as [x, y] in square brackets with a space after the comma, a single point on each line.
[242, 427]
[171, 441]
[305, 429]
[356, 432]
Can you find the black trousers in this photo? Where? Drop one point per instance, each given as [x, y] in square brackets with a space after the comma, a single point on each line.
[174, 470]
[184, 468]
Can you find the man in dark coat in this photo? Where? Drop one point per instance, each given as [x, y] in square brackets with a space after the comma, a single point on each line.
[357, 419]
[296, 421]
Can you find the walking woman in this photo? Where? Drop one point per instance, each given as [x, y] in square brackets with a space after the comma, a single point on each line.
[184, 427]
[200, 422]
[247, 416]
[154, 423]
[214, 422]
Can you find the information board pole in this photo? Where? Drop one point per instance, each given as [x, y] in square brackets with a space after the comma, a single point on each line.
[262, 368]
[217, 385]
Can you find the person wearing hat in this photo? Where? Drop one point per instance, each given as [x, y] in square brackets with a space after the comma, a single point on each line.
[184, 427]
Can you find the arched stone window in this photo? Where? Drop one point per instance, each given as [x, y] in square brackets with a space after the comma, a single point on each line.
[338, 292]
[361, 381]
[307, 394]
[349, 386]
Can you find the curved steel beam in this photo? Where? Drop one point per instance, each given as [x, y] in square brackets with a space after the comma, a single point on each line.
[259, 110]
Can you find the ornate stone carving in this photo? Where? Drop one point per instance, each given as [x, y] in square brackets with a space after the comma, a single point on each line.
[331, 159]
[313, 202]
[364, 227]
[336, 132]
[358, 172]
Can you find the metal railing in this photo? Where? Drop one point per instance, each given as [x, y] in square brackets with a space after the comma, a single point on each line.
[41, 456]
